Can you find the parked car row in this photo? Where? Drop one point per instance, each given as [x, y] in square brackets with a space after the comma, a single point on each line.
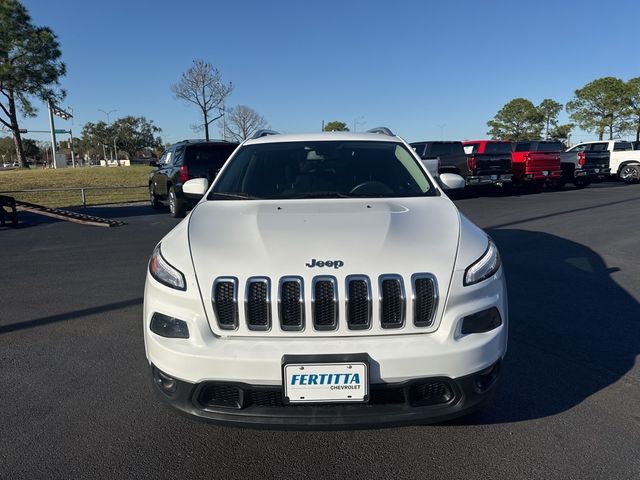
[531, 164]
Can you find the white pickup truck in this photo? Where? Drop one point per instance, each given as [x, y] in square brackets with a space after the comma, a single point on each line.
[624, 160]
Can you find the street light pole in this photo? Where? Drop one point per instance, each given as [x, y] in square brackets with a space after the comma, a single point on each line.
[73, 157]
[108, 113]
[53, 133]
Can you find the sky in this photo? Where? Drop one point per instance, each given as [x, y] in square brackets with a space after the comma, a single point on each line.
[426, 69]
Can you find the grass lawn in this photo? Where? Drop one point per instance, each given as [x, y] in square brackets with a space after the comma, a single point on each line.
[34, 178]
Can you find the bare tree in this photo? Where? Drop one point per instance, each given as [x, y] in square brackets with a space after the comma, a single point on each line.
[241, 122]
[202, 85]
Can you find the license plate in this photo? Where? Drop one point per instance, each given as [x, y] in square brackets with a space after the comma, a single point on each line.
[545, 173]
[326, 382]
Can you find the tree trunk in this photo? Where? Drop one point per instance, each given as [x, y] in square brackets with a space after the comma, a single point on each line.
[206, 125]
[17, 140]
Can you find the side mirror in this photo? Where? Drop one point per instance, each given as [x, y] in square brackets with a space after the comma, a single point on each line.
[451, 181]
[196, 187]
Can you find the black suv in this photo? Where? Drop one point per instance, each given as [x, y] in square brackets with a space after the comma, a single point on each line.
[181, 162]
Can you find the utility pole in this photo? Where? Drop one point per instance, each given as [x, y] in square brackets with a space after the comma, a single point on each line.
[73, 157]
[53, 133]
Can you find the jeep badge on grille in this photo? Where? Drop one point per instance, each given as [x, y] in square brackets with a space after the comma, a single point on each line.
[325, 263]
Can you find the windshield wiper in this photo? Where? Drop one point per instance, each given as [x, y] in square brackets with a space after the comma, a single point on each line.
[232, 196]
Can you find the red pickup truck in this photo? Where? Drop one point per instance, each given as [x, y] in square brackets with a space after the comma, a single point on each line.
[536, 162]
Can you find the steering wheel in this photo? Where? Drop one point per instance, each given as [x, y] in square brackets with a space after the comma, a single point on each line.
[372, 187]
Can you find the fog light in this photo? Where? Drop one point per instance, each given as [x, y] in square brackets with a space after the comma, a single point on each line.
[482, 321]
[169, 327]
[165, 382]
[487, 377]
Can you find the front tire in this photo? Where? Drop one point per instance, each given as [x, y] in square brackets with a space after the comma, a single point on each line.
[177, 207]
[629, 173]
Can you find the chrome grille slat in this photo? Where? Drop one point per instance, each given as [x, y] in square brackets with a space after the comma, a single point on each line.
[224, 299]
[358, 302]
[324, 302]
[392, 301]
[257, 303]
[291, 303]
[425, 299]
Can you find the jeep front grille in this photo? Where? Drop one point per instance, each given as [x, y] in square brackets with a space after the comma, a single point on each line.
[225, 302]
[257, 303]
[325, 303]
[291, 303]
[334, 307]
[358, 302]
[424, 299]
[392, 301]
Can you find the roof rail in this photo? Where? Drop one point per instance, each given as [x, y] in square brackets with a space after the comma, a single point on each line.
[264, 132]
[382, 130]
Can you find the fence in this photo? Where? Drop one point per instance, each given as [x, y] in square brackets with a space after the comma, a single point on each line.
[81, 196]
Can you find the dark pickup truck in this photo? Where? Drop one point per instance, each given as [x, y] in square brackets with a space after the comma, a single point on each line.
[581, 166]
[490, 159]
[451, 158]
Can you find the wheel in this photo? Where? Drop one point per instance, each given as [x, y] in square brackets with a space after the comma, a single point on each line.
[629, 173]
[153, 199]
[581, 182]
[176, 205]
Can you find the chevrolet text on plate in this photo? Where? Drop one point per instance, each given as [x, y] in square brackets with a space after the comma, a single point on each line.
[325, 280]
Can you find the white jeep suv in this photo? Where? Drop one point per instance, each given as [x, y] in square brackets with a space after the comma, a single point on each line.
[323, 281]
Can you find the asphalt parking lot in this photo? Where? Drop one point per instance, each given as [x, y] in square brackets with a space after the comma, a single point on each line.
[77, 403]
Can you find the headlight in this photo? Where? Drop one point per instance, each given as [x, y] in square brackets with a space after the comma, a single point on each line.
[163, 272]
[484, 267]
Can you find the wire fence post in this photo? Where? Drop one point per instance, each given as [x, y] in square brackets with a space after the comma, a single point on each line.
[84, 198]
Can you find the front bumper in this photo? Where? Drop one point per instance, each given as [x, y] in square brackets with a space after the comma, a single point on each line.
[397, 361]
[418, 401]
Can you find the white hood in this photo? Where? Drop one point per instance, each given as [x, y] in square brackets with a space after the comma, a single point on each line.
[279, 238]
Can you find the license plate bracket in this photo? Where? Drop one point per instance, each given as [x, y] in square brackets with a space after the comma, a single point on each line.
[309, 379]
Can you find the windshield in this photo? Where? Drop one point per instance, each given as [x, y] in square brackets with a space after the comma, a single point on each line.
[499, 148]
[550, 147]
[322, 169]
